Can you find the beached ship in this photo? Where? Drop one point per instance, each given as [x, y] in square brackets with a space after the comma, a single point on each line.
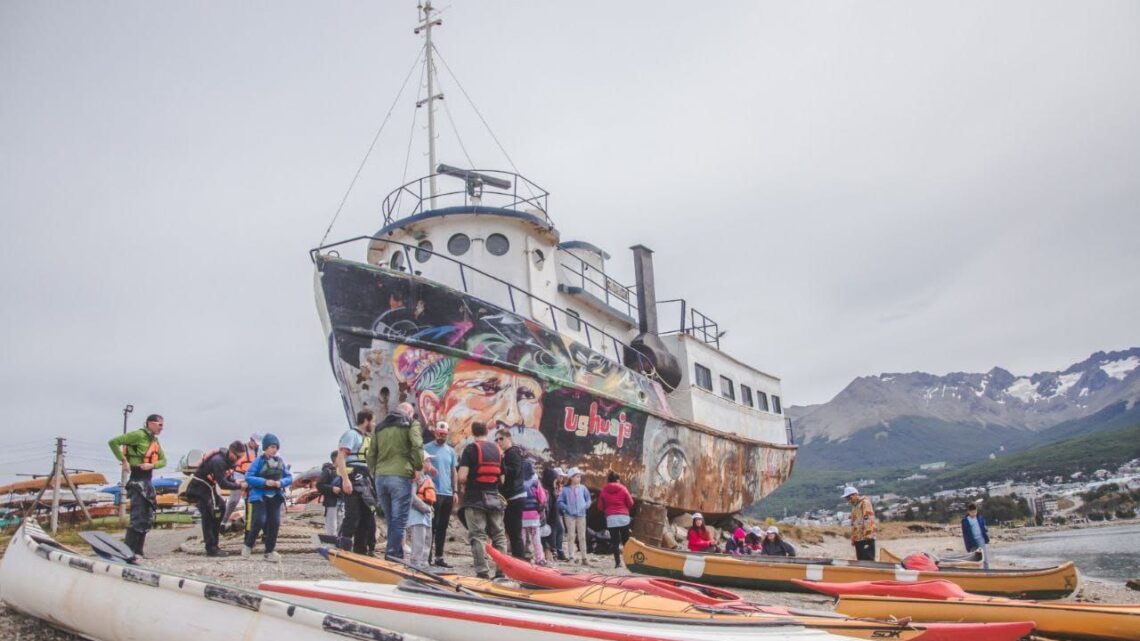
[468, 303]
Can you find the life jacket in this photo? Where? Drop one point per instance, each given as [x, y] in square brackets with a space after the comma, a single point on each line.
[426, 491]
[151, 455]
[489, 465]
[356, 457]
[246, 460]
[273, 469]
[206, 457]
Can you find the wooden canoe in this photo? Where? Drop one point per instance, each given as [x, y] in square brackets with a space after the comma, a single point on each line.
[37, 484]
[769, 573]
[617, 599]
[970, 560]
[117, 602]
[1084, 621]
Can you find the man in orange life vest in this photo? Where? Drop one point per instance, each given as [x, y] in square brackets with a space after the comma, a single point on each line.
[213, 472]
[140, 453]
[480, 472]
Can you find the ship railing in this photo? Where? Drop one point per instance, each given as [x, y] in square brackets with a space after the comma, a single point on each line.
[614, 294]
[597, 338]
[415, 197]
[693, 323]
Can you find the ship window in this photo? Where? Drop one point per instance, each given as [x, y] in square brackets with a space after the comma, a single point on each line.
[397, 261]
[539, 258]
[458, 244]
[573, 320]
[727, 388]
[746, 395]
[497, 244]
[704, 376]
[423, 253]
[761, 400]
[776, 405]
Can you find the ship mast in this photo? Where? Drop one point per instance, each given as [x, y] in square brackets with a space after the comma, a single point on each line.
[425, 26]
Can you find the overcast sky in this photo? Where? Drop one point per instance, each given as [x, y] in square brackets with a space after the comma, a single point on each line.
[847, 187]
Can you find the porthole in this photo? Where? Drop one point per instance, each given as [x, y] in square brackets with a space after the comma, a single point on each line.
[423, 253]
[497, 244]
[397, 261]
[458, 244]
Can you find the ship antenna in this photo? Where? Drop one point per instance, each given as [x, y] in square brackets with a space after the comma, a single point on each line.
[425, 26]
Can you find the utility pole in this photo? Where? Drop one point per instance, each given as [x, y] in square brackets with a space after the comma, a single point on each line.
[58, 475]
[123, 483]
[425, 26]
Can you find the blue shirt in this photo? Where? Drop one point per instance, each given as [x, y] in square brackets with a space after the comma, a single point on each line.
[353, 441]
[444, 461]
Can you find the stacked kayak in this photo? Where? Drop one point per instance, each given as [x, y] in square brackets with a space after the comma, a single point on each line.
[944, 601]
[778, 573]
[113, 601]
[591, 600]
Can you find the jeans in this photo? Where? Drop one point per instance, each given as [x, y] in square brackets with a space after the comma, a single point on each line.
[394, 496]
[439, 522]
[266, 514]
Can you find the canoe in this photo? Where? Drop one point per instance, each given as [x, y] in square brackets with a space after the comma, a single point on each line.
[968, 560]
[759, 573]
[643, 604]
[1083, 621]
[37, 484]
[117, 602]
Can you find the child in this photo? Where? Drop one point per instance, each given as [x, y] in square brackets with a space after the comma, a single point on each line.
[573, 503]
[534, 506]
[267, 477]
[419, 519]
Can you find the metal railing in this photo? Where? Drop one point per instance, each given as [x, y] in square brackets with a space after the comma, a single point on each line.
[615, 294]
[594, 334]
[415, 197]
[693, 323]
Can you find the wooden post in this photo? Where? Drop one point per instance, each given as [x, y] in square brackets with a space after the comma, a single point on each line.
[56, 477]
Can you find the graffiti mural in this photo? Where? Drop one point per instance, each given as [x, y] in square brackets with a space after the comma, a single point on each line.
[396, 338]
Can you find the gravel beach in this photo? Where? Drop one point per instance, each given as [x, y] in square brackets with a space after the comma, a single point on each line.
[180, 551]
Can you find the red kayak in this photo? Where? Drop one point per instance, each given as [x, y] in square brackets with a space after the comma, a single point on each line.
[938, 590]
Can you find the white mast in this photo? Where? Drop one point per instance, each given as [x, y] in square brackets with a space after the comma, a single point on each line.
[426, 26]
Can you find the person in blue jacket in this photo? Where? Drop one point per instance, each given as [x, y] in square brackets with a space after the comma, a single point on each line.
[267, 477]
[975, 534]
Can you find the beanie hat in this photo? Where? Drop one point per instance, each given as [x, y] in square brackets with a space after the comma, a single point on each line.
[270, 439]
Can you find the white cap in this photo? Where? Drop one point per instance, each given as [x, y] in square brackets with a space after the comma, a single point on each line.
[774, 530]
[698, 515]
[441, 426]
[849, 490]
[559, 471]
[574, 472]
[757, 530]
[256, 438]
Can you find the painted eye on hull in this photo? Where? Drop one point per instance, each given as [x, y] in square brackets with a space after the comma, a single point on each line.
[672, 464]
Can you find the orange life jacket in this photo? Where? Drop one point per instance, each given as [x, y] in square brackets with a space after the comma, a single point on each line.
[490, 462]
[246, 460]
[151, 455]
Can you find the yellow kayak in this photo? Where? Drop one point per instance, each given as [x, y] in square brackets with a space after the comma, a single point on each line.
[776, 573]
[642, 604]
[1086, 621]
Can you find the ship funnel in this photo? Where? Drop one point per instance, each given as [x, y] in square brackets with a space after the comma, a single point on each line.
[647, 352]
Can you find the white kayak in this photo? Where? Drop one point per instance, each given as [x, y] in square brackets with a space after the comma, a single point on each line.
[117, 602]
[418, 608]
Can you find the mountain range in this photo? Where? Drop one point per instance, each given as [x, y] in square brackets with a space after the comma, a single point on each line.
[903, 419]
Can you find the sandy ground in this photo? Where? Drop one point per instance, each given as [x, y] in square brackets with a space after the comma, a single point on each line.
[179, 551]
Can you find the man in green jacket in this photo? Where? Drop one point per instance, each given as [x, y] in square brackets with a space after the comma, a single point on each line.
[396, 455]
[140, 453]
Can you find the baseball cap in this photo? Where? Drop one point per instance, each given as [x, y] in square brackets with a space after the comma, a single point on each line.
[849, 490]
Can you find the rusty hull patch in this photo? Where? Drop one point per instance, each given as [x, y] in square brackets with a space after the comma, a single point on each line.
[357, 630]
[240, 598]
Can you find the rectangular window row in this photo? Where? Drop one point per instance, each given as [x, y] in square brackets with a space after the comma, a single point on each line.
[702, 378]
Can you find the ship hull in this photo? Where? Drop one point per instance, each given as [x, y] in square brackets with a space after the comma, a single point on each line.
[396, 337]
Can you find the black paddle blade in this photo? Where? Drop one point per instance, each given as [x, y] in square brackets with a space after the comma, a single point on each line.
[327, 539]
[107, 547]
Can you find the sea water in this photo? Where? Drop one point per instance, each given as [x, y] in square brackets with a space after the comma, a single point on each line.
[1109, 552]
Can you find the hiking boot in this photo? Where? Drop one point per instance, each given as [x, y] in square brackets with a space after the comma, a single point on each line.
[273, 557]
[216, 552]
[562, 556]
[483, 575]
[440, 563]
[246, 551]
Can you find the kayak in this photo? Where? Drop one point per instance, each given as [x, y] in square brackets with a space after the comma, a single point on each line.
[37, 484]
[936, 589]
[969, 560]
[1084, 621]
[765, 573]
[643, 604]
[114, 601]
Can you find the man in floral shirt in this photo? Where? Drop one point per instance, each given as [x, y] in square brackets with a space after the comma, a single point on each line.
[863, 525]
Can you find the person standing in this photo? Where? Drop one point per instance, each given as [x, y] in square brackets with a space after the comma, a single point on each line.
[444, 464]
[514, 491]
[419, 520]
[553, 478]
[140, 453]
[356, 487]
[267, 478]
[863, 526]
[534, 507]
[572, 504]
[251, 450]
[215, 470]
[395, 456]
[615, 502]
[479, 476]
[975, 534]
[329, 486]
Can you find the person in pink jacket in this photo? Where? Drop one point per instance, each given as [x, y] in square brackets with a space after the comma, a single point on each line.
[615, 502]
[700, 536]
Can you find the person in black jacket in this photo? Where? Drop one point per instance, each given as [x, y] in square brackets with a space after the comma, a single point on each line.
[514, 491]
[774, 545]
[215, 471]
[329, 487]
